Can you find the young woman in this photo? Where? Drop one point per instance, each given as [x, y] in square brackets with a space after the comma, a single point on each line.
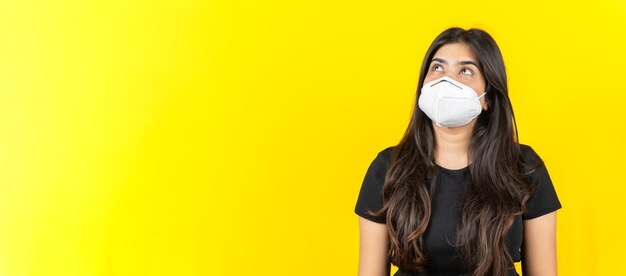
[459, 195]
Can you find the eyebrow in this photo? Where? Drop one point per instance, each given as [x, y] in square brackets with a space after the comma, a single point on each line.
[462, 62]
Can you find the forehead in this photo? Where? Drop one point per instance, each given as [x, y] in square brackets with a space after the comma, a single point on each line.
[454, 52]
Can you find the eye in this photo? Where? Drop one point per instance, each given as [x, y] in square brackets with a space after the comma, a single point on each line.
[467, 71]
[437, 67]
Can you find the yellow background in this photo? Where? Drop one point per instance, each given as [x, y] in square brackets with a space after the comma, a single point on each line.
[231, 137]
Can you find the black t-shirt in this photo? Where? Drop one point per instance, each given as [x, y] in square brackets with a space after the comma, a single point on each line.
[442, 258]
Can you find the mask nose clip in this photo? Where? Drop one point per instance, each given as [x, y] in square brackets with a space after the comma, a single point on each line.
[446, 79]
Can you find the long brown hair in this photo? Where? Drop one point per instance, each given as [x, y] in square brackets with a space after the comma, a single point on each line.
[497, 191]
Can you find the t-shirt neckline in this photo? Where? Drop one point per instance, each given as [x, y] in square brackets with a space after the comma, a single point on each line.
[453, 170]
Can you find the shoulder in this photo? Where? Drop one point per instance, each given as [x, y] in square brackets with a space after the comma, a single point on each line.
[379, 164]
[544, 198]
[530, 161]
[534, 168]
[526, 151]
[370, 195]
[382, 157]
[386, 153]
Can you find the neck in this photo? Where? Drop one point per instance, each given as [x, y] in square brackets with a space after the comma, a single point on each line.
[452, 145]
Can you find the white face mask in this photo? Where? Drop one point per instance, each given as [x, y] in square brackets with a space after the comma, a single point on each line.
[449, 103]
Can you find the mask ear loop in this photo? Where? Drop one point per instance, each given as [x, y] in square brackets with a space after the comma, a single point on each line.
[486, 89]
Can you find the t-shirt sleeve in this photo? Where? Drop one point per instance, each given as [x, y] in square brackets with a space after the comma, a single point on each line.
[370, 195]
[544, 200]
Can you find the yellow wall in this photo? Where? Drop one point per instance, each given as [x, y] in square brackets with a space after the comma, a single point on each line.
[231, 137]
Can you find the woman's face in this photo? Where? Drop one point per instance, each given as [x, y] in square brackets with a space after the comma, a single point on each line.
[456, 60]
